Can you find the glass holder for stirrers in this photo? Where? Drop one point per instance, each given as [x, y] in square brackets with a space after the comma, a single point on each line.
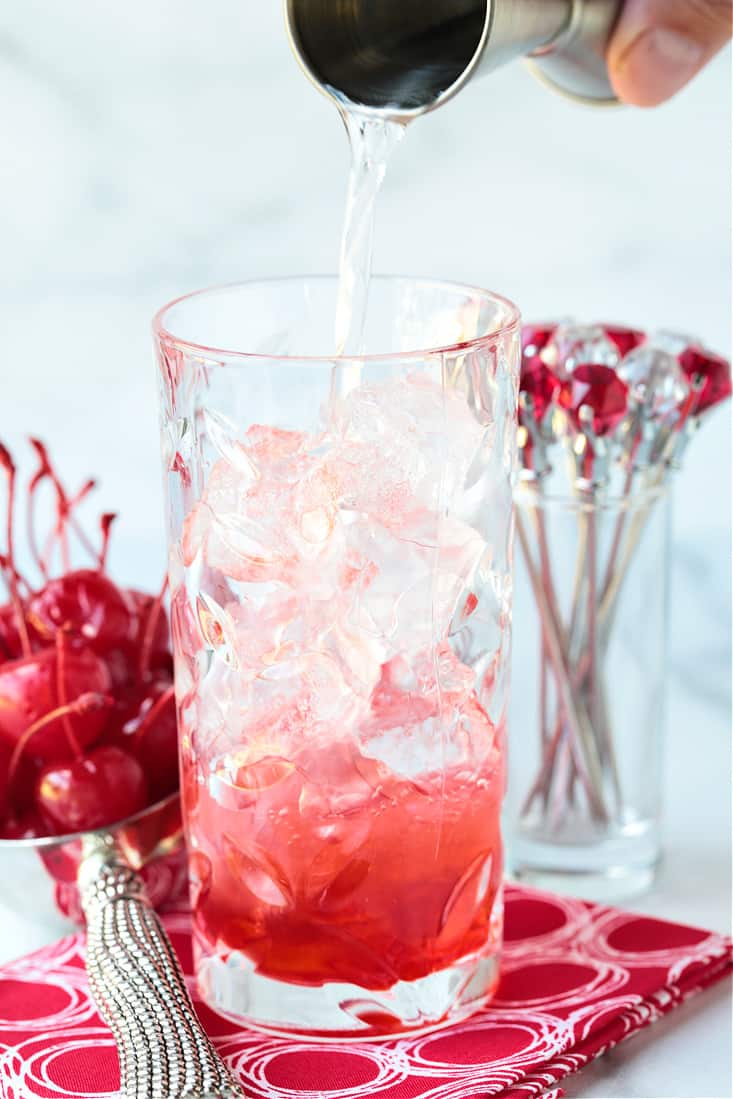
[606, 415]
[590, 788]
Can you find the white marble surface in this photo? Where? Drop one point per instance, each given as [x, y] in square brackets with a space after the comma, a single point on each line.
[152, 148]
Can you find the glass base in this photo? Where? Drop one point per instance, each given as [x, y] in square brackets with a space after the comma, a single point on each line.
[346, 1011]
[614, 884]
[608, 871]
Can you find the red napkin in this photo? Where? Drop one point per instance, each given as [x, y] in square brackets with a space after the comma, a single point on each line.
[577, 979]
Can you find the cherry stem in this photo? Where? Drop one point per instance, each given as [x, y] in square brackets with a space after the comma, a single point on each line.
[150, 717]
[105, 523]
[84, 704]
[46, 470]
[69, 733]
[30, 518]
[73, 503]
[8, 563]
[146, 649]
[65, 518]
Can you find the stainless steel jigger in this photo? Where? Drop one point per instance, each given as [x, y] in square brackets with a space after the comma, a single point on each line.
[134, 975]
[407, 57]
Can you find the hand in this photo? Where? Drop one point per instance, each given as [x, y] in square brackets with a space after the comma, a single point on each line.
[659, 45]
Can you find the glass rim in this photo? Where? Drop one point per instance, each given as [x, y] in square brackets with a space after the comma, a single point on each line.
[165, 336]
[525, 494]
[44, 843]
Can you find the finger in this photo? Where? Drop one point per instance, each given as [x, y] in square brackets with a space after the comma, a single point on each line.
[659, 45]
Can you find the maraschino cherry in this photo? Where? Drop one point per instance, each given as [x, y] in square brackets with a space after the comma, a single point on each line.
[88, 606]
[104, 786]
[5, 754]
[87, 716]
[144, 724]
[156, 740]
[38, 685]
[27, 825]
[10, 643]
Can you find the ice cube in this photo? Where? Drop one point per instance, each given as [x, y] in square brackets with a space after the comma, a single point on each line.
[270, 446]
[403, 448]
[425, 716]
[359, 656]
[408, 594]
[339, 794]
[241, 778]
[338, 783]
[261, 616]
[257, 520]
[398, 572]
[315, 562]
[225, 489]
[290, 703]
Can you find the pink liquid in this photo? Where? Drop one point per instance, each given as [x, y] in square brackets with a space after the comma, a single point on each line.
[342, 778]
[328, 867]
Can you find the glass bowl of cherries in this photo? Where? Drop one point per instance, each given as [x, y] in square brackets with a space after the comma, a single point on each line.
[88, 739]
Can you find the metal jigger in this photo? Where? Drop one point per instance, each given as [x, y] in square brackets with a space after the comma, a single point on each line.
[407, 58]
[133, 972]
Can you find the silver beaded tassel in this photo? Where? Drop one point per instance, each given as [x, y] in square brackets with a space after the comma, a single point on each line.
[140, 991]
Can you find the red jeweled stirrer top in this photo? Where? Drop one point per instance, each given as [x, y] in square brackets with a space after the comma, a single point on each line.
[621, 406]
[643, 395]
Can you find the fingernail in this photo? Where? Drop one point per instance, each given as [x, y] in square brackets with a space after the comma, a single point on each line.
[660, 62]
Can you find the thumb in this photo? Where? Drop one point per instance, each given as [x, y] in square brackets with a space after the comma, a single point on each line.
[659, 45]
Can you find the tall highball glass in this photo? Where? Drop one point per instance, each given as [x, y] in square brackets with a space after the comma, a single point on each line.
[340, 536]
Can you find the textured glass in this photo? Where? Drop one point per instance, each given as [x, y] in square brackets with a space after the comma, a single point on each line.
[340, 568]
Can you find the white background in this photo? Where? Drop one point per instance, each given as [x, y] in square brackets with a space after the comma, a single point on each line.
[149, 148]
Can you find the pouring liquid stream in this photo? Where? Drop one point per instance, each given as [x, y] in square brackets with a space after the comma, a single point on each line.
[373, 140]
[367, 696]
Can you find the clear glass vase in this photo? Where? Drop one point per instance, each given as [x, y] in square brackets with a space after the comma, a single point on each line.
[341, 580]
[589, 710]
